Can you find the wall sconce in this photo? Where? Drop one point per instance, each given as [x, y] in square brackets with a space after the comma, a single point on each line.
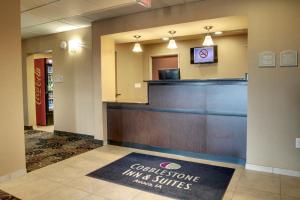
[74, 45]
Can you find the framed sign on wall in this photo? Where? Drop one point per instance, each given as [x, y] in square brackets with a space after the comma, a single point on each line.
[267, 59]
[289, 58]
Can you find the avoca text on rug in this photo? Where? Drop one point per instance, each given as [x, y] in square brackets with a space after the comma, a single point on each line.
[168, 177]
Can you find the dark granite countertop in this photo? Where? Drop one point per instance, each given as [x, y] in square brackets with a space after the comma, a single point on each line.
[218, 81]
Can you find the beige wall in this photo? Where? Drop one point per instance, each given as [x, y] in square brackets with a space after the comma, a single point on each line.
[273, 120]
[136, 67]
[12, 150]
[129, 72]
[73, 99]
[108, 80]
[231, 64]
[31, 110]
[274, 94]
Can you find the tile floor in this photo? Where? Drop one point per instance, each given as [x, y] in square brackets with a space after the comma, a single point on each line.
[66, 180]
[44, 128]
[5, 196]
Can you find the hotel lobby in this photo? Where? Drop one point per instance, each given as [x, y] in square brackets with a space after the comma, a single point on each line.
[150, 99]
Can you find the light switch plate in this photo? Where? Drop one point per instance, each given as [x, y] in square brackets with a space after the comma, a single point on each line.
[298, 143]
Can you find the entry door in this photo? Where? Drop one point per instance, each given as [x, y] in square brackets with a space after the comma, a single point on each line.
[163, 62]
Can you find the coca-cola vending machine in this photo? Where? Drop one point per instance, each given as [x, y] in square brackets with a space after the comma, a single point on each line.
[43, 75]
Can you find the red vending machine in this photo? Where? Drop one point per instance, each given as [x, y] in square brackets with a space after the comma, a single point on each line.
[43, 75]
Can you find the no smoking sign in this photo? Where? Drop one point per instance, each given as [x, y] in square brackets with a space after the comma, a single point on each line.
[203, 53]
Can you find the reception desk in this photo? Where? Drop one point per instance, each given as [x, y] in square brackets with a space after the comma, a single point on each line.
[208, 117]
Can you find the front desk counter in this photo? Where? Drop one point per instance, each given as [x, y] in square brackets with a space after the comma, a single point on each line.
[200, 117]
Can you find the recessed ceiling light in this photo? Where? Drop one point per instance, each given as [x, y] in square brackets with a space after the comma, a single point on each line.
[165, 39]
[218, 33]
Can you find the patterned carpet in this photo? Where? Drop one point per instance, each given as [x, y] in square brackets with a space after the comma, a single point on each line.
[44, 148]
[5, 196]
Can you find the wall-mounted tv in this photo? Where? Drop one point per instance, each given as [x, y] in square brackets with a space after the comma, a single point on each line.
[204, 55]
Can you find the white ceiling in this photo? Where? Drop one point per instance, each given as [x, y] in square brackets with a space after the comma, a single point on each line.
[42, 17]
[233, 25]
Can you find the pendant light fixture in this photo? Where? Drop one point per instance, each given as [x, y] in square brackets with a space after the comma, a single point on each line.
[208, 41]
[137, 46]
[172, 42]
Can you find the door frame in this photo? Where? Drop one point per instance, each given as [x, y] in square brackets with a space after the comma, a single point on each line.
[29, 102]
[162, 55]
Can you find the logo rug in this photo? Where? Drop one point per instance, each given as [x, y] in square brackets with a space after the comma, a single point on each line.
[168, 177]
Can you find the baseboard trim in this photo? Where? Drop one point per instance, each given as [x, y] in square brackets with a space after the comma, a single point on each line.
[13, 175]
[272, 170]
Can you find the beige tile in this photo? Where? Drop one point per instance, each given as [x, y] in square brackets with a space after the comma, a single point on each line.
[61, 173]
[260, 181]
[87, 184]
[63, 193]
[44, 128]
[85, 164]
[94, 197]
[235, 179]
[289, 198]
[31, 190]
[228, 195]
[28, 178]
[290, 186]
[115, 149]
[150, 196]
[117, 192]
[244, 193]
[102, 155]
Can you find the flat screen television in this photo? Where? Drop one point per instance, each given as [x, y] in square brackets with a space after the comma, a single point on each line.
[169, 74]
[204, 55]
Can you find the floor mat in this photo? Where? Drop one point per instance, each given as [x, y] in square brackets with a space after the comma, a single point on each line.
[169, 177]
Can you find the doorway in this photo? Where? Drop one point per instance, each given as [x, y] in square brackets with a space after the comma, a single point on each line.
[40, 94]
[163, 62]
